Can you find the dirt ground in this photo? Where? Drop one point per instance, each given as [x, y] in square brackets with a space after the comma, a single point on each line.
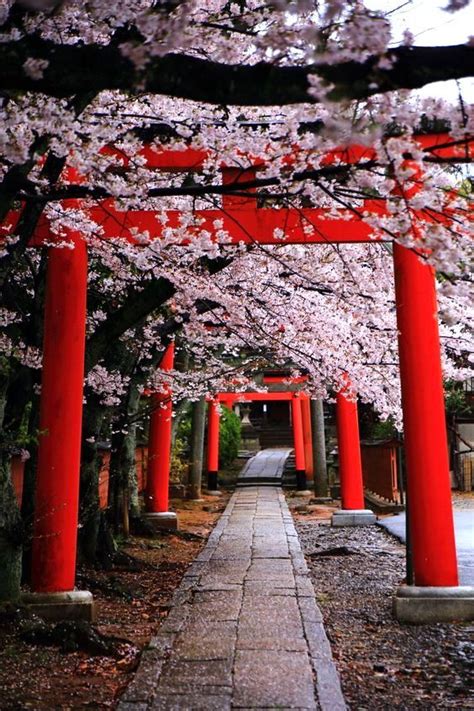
[133, 598]
[383, 665]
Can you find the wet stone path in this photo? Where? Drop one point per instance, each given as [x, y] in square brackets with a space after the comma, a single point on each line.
[266, 466]
[244, 630]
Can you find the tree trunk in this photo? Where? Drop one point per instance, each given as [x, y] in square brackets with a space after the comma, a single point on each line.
[127, 460]
[89, 489]
[319, 449]
[198, 421]
[11, 528]
[11, 536]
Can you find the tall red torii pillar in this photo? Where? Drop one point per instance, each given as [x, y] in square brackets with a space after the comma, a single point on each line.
[353, 512]
[59, 443]
[159, 454]
[298, 441]
[213, 422]
[307, 436]
[436, 595]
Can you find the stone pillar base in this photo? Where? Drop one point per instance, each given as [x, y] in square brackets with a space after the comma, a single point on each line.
[356, 517]
[301, 484]
[60, 606]
[213, 492]
[212, 482]
[426, 605]
[194, 493]
[164, 519]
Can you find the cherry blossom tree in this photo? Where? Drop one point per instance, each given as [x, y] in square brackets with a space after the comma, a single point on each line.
[86, 87]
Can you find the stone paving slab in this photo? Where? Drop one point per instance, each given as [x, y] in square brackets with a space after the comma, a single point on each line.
[266, 466]
[244, 630]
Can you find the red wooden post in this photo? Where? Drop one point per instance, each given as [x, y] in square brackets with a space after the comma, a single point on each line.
[213, 445]
[298, 439]
[348, 444]
[307, 436]
[428, 480]
[59, 451]
[159, 451]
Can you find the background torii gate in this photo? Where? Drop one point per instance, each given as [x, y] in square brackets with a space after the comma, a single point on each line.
[301, 426]
[431, 521]
[350, 465]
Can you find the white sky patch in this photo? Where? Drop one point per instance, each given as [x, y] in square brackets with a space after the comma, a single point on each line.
[432, 26]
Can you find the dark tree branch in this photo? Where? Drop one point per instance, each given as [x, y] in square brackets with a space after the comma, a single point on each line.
[138, 306]
[237, 188]
[84, 68]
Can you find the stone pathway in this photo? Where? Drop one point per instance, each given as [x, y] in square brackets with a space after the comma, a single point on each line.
[244, 631]
[266, 467]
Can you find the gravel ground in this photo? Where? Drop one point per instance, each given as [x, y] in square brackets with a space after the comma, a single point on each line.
[383, 664]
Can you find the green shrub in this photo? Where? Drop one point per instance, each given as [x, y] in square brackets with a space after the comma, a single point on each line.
[383, 429]
[229, 437]
[178, 462]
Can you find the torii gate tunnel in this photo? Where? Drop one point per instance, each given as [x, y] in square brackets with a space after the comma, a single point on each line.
[301, 426]
[428, 487]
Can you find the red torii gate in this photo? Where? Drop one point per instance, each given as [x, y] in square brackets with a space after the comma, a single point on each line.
[431, 521]
[350, 464]
[301, 422]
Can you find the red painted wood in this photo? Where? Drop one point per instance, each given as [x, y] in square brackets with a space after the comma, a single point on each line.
[379, 468]
[57, 482]
[159, 444]
[284, 379]
[438, 145]
[298, 437]
[240, 216]
[232, 176]
[141, 459]
[426, 449]
[247, 225]
[348, 444]
[307, 435]
[253, 397]
[213, 437]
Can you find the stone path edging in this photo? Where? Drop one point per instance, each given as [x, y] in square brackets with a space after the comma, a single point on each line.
[244, 629]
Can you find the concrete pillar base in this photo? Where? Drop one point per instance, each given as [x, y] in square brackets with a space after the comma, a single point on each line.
[213, 492]
[304, 492]
[60, 606]
[164, 519]
[426, 605]
[356, 517]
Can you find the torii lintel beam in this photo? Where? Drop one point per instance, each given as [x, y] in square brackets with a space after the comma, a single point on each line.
[254, 397]
[438, 147]
[240, 220]
[247, 225]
